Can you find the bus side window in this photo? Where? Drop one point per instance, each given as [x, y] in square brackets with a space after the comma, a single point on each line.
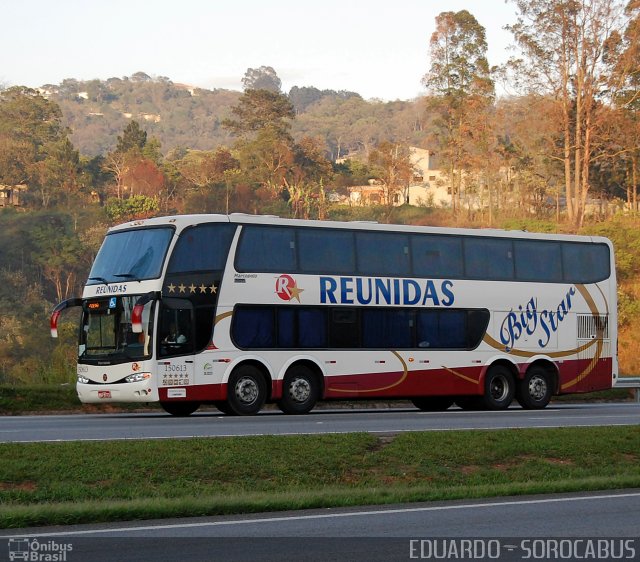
[345, 328]
[266, 249]
[253, 327]
[383, 253]
[488, 258]
[176, 335]
[437, 256]
[585, 263]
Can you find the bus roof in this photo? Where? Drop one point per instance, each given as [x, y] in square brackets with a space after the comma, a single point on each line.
[183, 221]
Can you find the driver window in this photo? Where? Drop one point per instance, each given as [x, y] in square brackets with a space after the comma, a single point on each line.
[176, 328]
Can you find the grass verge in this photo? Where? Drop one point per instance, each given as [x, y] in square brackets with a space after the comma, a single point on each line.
[63, 483]
[61, 398]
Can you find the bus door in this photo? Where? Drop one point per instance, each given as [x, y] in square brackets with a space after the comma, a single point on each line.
[176, 346]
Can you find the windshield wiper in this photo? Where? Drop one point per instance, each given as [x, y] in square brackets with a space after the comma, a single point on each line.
[101, 279]
[126, 275]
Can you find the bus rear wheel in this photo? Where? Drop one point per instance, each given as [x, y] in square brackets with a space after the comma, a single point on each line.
[534, 391]
[180, 409]
[432, 403]
[246, 390]
[300, 391]
[499, 388]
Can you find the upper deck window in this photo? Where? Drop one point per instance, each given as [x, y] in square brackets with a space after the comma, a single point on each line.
[322, 250]
[488, 258]
[437, 256]
[266, 249]
[333, 251]
[585, 263]
[202, 248]
[131, 254]
[538, 260]
[383, 253]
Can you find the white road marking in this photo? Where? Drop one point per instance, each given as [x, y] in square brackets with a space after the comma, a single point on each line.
[346, 431]
[329, 515]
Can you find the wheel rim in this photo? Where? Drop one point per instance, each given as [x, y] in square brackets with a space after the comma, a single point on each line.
[247, 390]
[499, 388]
[537, 388]
[300, 390]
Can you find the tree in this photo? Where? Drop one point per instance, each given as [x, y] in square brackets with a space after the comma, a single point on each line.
[460, 83]
[34, 145]
[59, 171]
[530, 178]
[58, 252]
[301, 98]
[391, 164]
[206, 168]
[210, 171]
[305, 178]
[265, 146]
[623, 55]
[116, 164]
[135, 207]
[132, 138]
[261, 109]
[263, 78]
[17, 159]
[143, 177]
[135, 163]
[27, 116]
[562, 43]
[265, 160]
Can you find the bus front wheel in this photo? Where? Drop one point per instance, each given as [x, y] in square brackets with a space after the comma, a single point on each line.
[223, 406]
[499, 388]
[299, 391]
[534, 391]
[180, 409]
[246, 390]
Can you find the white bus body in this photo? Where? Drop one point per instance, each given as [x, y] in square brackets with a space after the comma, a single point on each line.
[291, 312]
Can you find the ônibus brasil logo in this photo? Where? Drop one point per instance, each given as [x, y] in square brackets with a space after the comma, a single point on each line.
[287, 289]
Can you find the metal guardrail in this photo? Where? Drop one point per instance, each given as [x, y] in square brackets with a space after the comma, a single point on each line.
[630, 382]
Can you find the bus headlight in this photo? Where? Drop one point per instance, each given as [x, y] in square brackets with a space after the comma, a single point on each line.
[83, 380]
[138, 377]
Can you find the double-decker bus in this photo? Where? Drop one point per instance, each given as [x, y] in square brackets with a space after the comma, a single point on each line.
[242, 310]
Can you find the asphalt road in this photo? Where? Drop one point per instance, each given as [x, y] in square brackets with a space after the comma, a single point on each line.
[514, 528]
[212, 424]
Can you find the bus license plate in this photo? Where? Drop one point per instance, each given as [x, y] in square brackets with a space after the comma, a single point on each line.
[104, 394]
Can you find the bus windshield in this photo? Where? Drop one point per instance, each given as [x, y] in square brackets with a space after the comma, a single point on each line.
[107, 333]
[131, 254]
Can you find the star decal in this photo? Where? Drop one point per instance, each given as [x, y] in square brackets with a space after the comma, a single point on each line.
[295, 292]
[192, 288]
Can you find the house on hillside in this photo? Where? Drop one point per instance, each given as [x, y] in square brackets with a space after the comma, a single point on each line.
[429, 186]
[10, 195]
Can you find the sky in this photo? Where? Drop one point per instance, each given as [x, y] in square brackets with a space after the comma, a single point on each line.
[378, 48]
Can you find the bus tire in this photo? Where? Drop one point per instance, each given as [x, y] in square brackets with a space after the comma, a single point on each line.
[246, 390]
[432, 403]
[534, 390]
[499, 388]
[300, 391]
[180, 409]
[223, 406]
